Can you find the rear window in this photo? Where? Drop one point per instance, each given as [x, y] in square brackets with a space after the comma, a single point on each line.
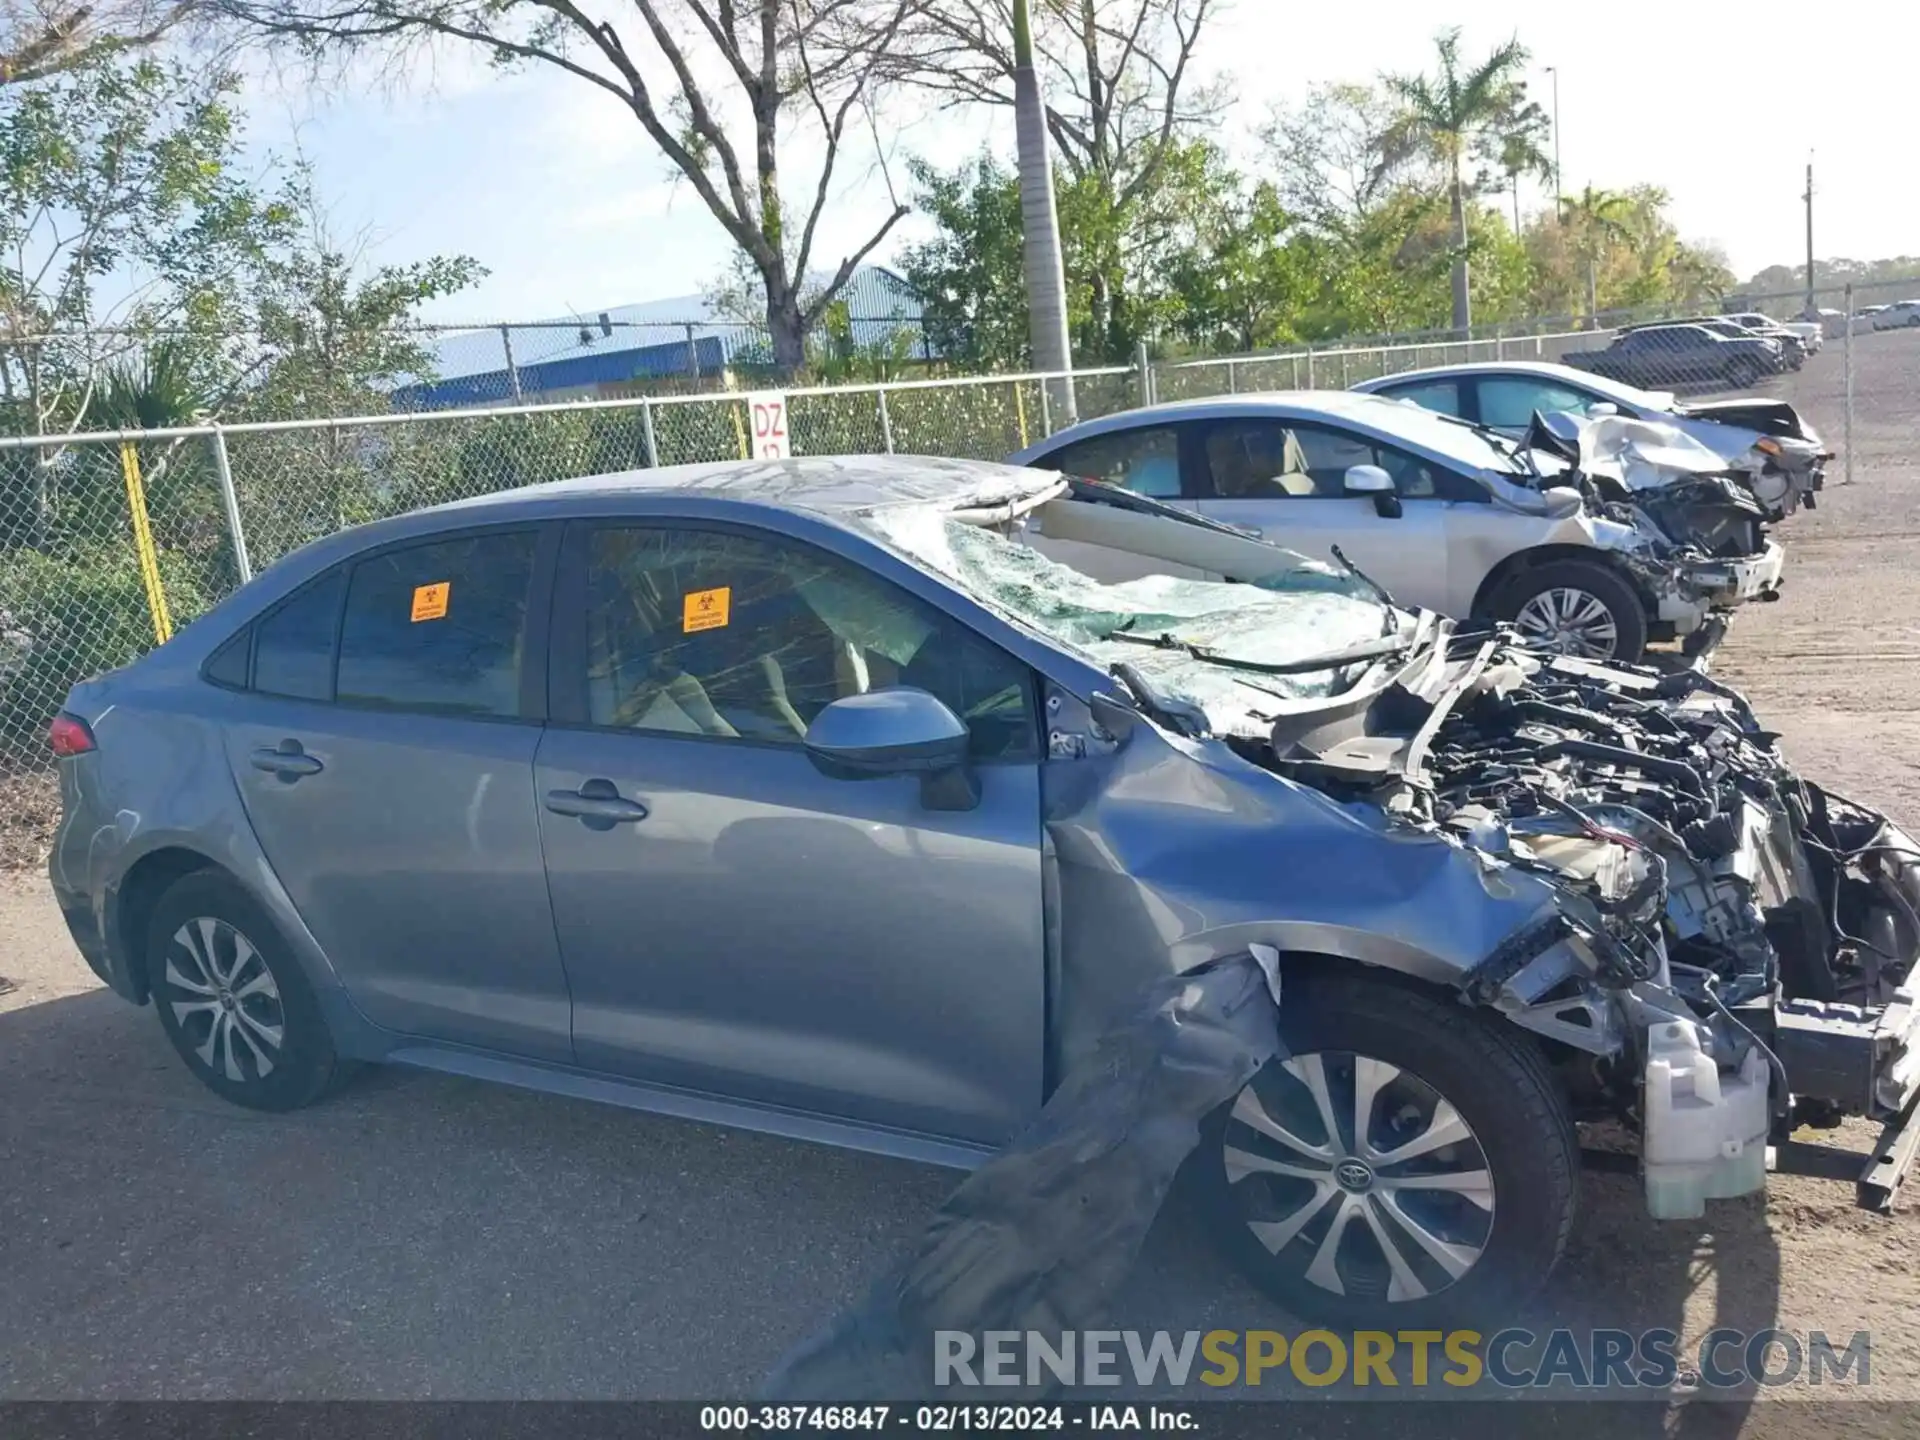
[439, 627]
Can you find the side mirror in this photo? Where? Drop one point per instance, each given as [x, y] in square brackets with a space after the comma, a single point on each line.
[1603, 409]
[1372, 480]
[896, 731]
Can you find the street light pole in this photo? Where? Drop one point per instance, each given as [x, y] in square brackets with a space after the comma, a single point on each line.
[1554, 71]
[1808, 197]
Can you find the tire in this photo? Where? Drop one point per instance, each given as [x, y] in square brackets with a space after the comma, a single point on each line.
[1743, 374]
[1555, 605]
[246, 1024]
[1518, 1136]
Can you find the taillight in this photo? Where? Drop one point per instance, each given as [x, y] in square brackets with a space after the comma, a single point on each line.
[69, 735]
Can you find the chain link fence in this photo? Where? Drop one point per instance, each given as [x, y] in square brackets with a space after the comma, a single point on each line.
[111, 542]
[108, 542]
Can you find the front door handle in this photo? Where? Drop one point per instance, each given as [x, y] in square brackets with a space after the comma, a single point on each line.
[596, 800]
[288, 760]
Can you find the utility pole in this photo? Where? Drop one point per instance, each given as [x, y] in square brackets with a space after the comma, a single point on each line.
[1808, 197]
[1554, 71]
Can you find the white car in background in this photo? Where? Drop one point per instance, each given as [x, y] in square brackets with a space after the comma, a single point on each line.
[1898, 316]
[1447, 515]
[1781, 455]
[1810, 333]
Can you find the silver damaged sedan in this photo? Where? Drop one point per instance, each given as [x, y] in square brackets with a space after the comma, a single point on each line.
[812, 797]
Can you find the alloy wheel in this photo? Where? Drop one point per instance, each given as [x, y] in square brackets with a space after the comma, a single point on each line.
[1569, 621]
[224, 999]
[1360, 1176]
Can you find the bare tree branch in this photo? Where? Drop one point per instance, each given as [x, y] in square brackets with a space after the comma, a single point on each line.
[723, 120]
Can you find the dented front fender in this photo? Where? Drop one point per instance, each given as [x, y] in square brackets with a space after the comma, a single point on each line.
[1168, 853]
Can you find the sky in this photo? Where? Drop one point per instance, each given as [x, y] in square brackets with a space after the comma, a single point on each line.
[552, 185]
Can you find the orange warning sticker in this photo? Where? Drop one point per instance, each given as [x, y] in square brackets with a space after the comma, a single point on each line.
[430, 601]
[706, 609]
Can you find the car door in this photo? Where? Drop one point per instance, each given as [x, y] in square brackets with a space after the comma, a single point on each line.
[1691, 356]
[734, 920]
[384, 753]
[1287, 480]
[1147, 460]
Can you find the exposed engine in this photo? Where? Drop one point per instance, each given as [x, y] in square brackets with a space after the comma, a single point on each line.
[1730, 938]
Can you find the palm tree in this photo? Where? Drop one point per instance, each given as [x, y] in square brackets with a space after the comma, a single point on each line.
[1602, 217]
[1520, 146]
[1445, 117]
[1040, 224]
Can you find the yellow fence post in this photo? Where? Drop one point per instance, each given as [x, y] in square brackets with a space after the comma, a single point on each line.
[1020, 412]
[143, 543]
[740, 430]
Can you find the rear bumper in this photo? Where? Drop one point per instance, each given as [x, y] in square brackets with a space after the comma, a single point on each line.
[73, 871]
[90, 937]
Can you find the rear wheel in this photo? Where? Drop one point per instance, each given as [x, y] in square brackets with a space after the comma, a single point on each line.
[232, 999]
[1575, 607]
[1411, 1162]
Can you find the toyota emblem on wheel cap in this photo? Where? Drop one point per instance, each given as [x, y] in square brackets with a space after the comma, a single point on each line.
[1353, 1175]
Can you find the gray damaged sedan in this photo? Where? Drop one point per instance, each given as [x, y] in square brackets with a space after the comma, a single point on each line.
[809, 797]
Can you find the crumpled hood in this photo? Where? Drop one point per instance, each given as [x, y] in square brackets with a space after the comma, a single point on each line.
[1644, 454]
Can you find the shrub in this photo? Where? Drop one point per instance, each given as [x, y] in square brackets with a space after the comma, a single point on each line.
[66, 617]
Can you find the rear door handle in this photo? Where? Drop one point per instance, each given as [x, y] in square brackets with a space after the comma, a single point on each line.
[596, 800]
[289, 761]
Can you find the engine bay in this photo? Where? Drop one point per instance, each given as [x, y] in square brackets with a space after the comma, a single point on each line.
[1710, 899]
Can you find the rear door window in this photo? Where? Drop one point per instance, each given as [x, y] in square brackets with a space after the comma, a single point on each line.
[439, 627]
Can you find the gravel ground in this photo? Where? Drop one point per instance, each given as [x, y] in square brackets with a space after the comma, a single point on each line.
[428, 1238]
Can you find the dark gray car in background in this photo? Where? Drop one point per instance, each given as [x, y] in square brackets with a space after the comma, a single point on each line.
[807, 796]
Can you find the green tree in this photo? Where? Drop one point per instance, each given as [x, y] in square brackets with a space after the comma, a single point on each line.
[1123, 104]
[1835, 273]
[969, 275]
[124, 212]
[1247, 277]
[1325, 155]
[1447, 118]
[336, 332]
[1151, 262]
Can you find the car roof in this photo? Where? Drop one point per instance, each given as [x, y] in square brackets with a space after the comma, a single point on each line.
[1340, 402]
[1543, 369]
[1699, 325]
[824, 484]
[1615, 390]
[1391, 419]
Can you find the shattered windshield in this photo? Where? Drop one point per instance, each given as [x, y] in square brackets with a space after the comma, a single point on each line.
[1305, 612]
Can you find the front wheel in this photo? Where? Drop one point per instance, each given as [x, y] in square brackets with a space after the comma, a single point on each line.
[1743, 373]
[1575, 607]
[233, 1000]
[1411, 1163]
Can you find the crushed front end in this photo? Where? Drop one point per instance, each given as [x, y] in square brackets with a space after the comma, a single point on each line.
[1689, 527]
[1732, 950]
